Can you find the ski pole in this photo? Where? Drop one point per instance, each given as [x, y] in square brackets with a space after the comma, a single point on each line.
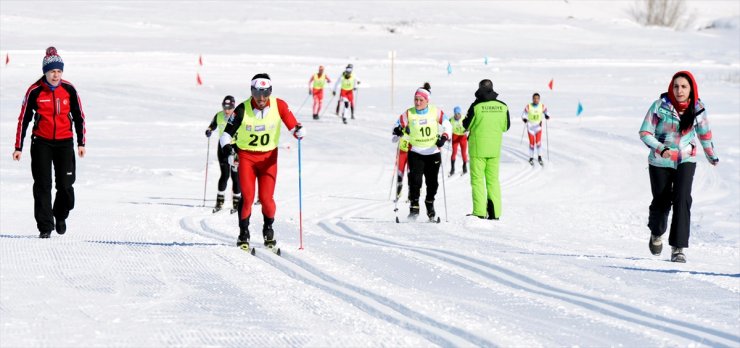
[547, 139]
[300, 197]
[301, 107]
[326, 106]
[394, 179]
[444, 190]
[205, 184]
[524, 126]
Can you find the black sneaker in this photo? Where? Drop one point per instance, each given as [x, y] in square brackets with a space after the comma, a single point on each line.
[46, 234]
[655, 244]
[61, 226]
[677, 255]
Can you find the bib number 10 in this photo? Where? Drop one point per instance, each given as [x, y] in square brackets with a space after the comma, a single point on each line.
[425, 131]
[263, 140]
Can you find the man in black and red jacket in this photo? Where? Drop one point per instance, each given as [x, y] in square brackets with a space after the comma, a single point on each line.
[55, 108]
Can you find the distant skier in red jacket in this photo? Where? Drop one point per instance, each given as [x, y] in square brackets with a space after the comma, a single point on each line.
[55, 107]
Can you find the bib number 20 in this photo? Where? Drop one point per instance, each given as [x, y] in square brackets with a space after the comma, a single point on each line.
[263, 140]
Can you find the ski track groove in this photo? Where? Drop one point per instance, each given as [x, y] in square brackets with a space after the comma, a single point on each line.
[591, 303]
[372, 303]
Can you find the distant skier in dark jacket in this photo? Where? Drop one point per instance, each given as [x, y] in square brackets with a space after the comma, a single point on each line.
[219, 121]
[55, 107]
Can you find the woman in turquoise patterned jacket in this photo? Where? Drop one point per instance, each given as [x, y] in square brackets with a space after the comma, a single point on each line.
[669, 130]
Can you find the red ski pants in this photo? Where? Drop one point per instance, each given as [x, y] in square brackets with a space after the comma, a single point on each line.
[318, 97]
[462, 142]
[262, 168]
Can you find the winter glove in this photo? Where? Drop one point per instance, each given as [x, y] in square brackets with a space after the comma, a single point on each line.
[442, 140]
[208, 132]
[299, 132]
[547, 117]
[398, 131]
[525, 120]
[713, 160]
[334, 93]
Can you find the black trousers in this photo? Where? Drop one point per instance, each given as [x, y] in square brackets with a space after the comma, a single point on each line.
[62, 155]
[672, 189]
[226, 172]
[428, 167]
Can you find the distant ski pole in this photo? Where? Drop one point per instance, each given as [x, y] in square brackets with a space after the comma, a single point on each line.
[326, 106]
[444, 190]
[302, 104]
[547, 139]
[522, 137]
[205, 184]
[395, 175]
[300, 198]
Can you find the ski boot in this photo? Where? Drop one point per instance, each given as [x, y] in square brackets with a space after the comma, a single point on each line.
[243, 241]
[235, 203]
[465, 168]
[452, 167]
[61, 226]
[45, 234]
[315, 116]
[352, 114]
[677, 255]
[219, 202]
[414, 209]
[430, 211]
[539, 159]
[269, 235]
[655, 245]
[344, 119]
[531, 161]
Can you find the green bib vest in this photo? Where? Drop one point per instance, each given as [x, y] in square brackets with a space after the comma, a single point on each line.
[535, 113]
[487, 129]
[423, 129]
[348, 83]
[319, 81]
[220, 123]
[260, 135]
[457, 126]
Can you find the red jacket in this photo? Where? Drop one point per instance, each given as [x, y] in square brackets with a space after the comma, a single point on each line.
[54, 112]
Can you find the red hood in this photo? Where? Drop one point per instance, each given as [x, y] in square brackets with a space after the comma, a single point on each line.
[692, 80]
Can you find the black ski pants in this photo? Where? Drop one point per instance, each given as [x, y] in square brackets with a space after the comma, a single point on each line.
[44, 154]
[428, 167]
[226, 172]
[672, 189]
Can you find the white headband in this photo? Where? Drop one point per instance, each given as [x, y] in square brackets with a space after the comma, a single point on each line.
[261, 83]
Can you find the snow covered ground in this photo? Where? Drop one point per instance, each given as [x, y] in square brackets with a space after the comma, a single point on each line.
[144, 264]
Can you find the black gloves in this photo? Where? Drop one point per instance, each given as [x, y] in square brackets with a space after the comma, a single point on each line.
[442, 140]
[398, 131]
[547, 117]
[525, 120]
[208, 132]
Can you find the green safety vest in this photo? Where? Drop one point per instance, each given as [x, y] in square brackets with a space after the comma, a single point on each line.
[487, 129]
[423, 129]
[535, 113]
[260, 135]
[348, 83]
[457, 126]
[319, 82]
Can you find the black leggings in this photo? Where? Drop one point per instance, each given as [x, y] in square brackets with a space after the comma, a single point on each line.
[672, 189]
[428, 167]
[223, 180]
[62, 155]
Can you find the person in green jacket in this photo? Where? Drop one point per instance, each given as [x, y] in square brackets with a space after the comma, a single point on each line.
[486, 122]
